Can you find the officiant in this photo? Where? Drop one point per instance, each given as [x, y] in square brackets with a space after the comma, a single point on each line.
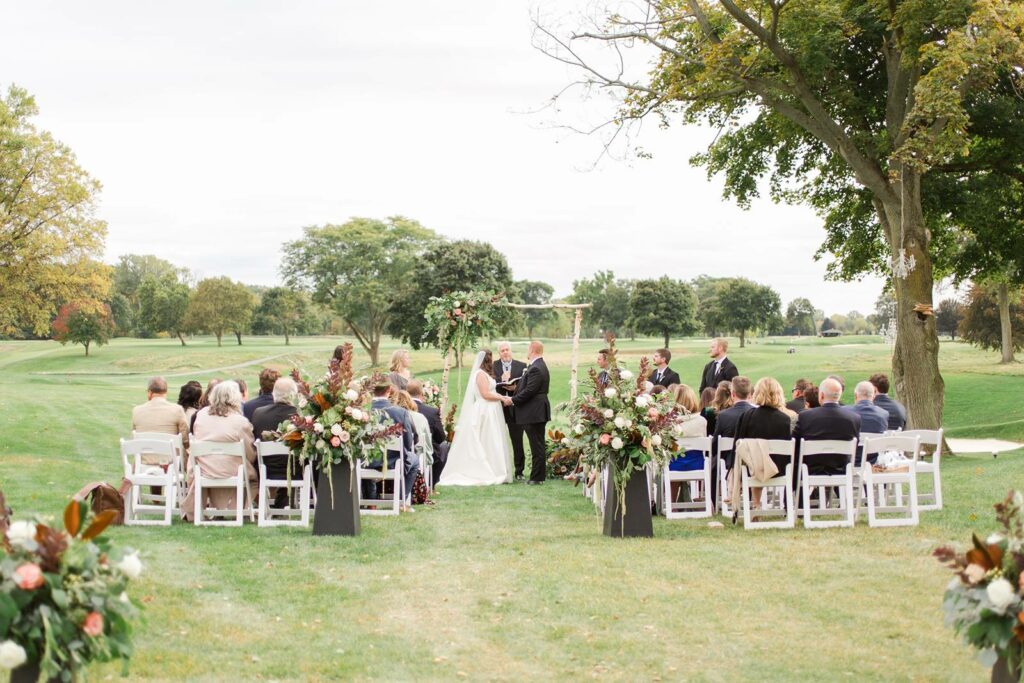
[506, 370]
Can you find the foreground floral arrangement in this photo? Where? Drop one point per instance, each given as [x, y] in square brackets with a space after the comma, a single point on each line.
[623, 426]
[336, 424]
[985, 602]
[63, 599]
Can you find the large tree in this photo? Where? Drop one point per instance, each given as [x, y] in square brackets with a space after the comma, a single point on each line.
[284, 311]
[800, 317]
[163, 304]
[948, 315]
[981, 324]
[663, 307]
[847, 106]
[534, 292]
[609, 299]
[50, 237]
[219, 305]
[747, 306]
[129, 273]
[83, 322]
[360, 269]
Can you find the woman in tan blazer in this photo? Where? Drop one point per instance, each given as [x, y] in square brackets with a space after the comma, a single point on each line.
[222, 423]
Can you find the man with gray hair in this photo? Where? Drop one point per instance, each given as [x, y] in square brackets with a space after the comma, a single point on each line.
[826, 423]
[158, 414]
[505, 370]
[268, 419]
[873, 420]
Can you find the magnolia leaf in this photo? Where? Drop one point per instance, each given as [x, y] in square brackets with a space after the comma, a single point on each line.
[72, 517]
[101, 522]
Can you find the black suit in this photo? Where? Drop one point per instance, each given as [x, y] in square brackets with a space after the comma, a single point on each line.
[515, 431]
[532, 410]
[668, 377]
[437, 435]
[267, 419]
[828, 422]
[797, 405]
[712, 375]
[766, 423]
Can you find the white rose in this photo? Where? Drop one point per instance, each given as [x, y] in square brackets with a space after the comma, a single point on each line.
[22, 534]
[351, 395]
[1000, 592]
[609, 413]
[12, 655]
[620, 422]
[578, 429]
[320, 444]
[318, 428]
[610, 392]
[357, 414]
[124, 598]
[994, 539]
[643, 400]
[629, 423]
[565, 441]
[303, 402]
[456, 304]
[617, 443]
[625, 374]
[130, 566]
[656, 440]
[336, 429]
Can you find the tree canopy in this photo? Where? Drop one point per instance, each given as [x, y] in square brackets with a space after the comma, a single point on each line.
[163, 304]
[83, 322]
[663, 307]
[220, 305]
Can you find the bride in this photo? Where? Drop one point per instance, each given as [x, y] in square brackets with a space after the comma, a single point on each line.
[480, 454]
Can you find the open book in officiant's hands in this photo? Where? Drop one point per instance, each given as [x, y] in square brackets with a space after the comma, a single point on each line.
[510, 384]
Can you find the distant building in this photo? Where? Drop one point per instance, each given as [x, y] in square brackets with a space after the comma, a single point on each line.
[832, 333]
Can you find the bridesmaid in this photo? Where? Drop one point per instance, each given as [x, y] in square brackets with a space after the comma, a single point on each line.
[400, 374]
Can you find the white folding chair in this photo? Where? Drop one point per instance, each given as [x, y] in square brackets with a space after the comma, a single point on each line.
[202, 481]
[300, 481]
[384, 503]
[929, 437]
[880, 485]
[783, 480]
[179, 447]
[701, 477]
[726, 443]
[825, 482]
[155, 474]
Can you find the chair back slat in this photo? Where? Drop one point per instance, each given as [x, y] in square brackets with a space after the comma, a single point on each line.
[928, 437]
[901, 443]
[828, 447]
[695, 443]
[203, 448]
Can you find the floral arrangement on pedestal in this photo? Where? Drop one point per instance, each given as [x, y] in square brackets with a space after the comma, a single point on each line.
[562, 458]
[63, 594]
[984, 603]
[335, 423]
[432, 393]
[621, 425]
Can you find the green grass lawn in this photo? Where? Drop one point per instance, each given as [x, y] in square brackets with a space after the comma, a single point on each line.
[514, 582]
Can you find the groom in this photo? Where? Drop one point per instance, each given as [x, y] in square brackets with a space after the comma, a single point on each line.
[530, 408]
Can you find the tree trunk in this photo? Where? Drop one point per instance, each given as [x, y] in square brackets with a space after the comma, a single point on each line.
[218, 338]
[238, 335]
[181, 338]
[87, 348]
[743, 338]
[666, 340]
[915, 358]
[287, 341]
[1005, 331]
[374, 351]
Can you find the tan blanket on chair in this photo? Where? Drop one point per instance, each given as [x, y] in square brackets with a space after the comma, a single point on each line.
[754, 454]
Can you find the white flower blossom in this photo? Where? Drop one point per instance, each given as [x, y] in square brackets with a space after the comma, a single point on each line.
[610, 392]
[321, 444]
[1000, 592]
[656, 440]
[643, 400]
[625, 374]
[609, 413]
[617, 443]
[995, 539]
[124, 598]
[336, 429]
[620, 422]
[318, 428]
[456, 304]
[351, 395]
[12, 655]
[565, 441]
[130, 565]
[357, 414]
[629, 423]
[303, 402]
[578, 429]
[22, 534]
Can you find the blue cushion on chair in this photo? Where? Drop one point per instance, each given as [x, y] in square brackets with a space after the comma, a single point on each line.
[688, 462]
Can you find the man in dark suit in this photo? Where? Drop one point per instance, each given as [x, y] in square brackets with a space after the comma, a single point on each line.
[381, 401]
[798, 404]
[532, 410]
[663, 375]
[873, 420]
[602, 362]
[897, 413]
[265, 398]
[267, 419]
[438, 437]
[725, 425]
[504, 370]
[826, 423]
[720, 369]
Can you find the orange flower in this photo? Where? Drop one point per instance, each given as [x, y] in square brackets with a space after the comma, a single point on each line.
[28, 577]
[292, 437]
[987, 556]
[321, 401]
[1018, 629]
[93, 625]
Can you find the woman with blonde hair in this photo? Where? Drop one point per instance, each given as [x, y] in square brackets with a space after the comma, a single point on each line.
[769, 420]
[723, 396]
[694, 424]
[400, 374]
[424, 446]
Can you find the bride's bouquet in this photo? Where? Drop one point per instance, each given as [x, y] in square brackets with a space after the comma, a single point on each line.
[622, 425]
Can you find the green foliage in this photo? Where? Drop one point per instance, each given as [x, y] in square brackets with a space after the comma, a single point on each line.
[83, 322]
[533, 292]
[460, 319]
[361, 270]
[163, 304]
[50, 238]
[663, 307]
[980, 324]
[285, 311]
[610, 300]
[948, 315]
[463, 265]
[800, 317]
[130, 272]
[219, 305]
[739, 305]
[709, 306]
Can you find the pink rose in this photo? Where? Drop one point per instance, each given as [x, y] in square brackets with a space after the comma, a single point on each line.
[366, 418]
[605, 439]
[348, 410]
[344, 437]
[458, 312]
[652, 413]
[309, 420]
[93, 625]
[28, 577]
[335, 441]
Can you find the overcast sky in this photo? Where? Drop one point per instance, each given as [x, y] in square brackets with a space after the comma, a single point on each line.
[220, 128]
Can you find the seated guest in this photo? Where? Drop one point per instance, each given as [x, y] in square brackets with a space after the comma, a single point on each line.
[382, 389]
[720, 369]
[873, 420]
[769, 420]
[188, 398]
[658, 389]
[266, 396]
[829, 422]
[422, 443]
[727, 420]
[285, 396]
[811, 397]
[842, 383]
[799, 404]
[602, 362]
[897, 413]
[707, 408]
[663, 375]
[400, 374]
[694, 424]
[438, 437]
[221, 422]
[204, 402]
[723, 398]
[244, 388]
[158, 414]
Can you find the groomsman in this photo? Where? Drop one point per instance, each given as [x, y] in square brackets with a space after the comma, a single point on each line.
[720, 368]
[663, 375]
[602, 362]
[504, 370]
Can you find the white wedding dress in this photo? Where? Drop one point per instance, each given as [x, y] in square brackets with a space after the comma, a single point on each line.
[481, 454]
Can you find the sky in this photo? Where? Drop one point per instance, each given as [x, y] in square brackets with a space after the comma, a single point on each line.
[221, 128]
